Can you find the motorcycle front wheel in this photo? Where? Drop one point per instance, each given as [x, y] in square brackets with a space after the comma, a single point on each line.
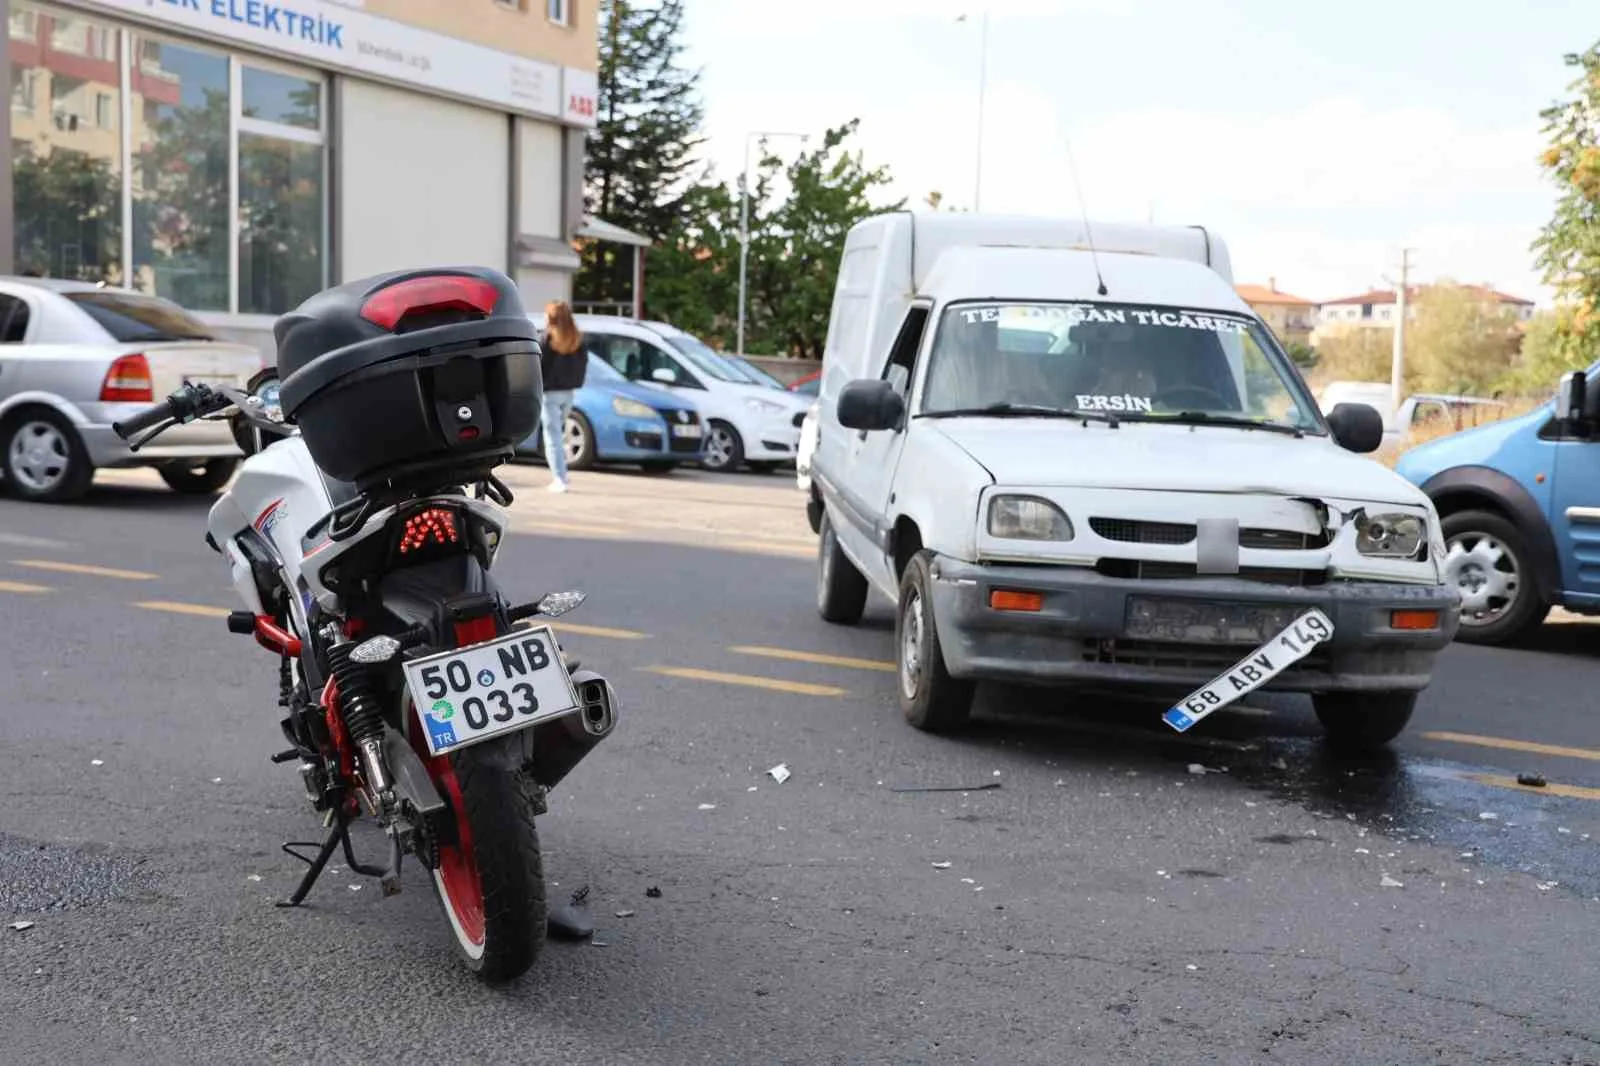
[490, 882]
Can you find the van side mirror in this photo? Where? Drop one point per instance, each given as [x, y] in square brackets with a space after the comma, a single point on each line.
[664, 374]
[1357, 427]
[1572, 397]
[870, 405]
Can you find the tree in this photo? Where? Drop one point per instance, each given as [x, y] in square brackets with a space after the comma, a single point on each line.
[1357, 355]
[1300, 354]
[68, 216]
[646, 139]
[831, 189]
[1555, 342]
[1461, 342]
[1568, 247]
[694, 269]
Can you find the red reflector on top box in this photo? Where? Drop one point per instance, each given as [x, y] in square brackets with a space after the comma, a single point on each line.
[444, 292]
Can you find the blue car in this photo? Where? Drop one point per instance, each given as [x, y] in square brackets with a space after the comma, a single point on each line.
[615, 420]
[1520, 504]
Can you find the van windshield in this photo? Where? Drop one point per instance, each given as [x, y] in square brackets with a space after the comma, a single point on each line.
[1129, 361]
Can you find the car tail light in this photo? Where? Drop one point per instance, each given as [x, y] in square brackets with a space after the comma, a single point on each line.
[387, 307]
[128, 381]
[428, 528]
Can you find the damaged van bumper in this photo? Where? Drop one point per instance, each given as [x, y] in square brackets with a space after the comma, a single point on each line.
[1048, 624]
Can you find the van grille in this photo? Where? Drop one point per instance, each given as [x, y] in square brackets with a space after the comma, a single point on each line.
[1146, 570]
[1138, 531]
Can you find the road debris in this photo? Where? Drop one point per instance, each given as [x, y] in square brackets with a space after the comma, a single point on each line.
[1545, 886]
[708, 806]
[941, 866]
[779, 773]
[97, 762]
[946, 788]
[1199, 769]
[20, 927]
[652, 892]
[1389, 882]
[625, 914]
[355, 888]
[252, 877]
[216, 780]
[1488, 816]
[1532, 780]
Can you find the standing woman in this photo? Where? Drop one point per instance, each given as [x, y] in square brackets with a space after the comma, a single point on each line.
[564, 365]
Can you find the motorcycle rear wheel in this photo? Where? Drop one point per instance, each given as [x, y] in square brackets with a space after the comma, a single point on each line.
[490, 884]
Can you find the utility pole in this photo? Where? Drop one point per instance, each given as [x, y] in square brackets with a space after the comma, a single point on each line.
[983, 84]
[1397, 370]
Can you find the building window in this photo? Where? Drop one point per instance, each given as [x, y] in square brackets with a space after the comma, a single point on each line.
[194, 117]
[559, 11]
[67, 176]
[282, 185]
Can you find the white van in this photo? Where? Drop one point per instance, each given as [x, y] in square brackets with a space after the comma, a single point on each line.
[747, 423]
[1070, 467]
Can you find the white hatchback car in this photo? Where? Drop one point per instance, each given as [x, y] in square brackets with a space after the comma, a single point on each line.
[747, 424]
[77, 357]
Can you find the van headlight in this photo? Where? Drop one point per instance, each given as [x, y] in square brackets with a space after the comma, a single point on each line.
[1027, 518]
[631, 408]
[1391, 536]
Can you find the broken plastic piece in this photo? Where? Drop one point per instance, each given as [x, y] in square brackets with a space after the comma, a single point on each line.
[1532, 780]
[708, 806]
[941, 866]
[625, 914]
[779, 773]
[948, 788]
[20, 927]
[1389, 882]
[568, 923]
[653, 892]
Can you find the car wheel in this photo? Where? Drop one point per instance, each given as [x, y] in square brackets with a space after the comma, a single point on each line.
[1486, 558]
[45, 458]
[1363, 721]
[578, 437]
[930, 698]
[724, 451]
[200, 479]
[841, 590]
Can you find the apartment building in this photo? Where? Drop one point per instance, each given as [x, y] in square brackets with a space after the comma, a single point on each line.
[1292, 318]
[238, 155]
[1378, 308]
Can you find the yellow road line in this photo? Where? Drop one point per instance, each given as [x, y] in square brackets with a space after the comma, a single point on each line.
[587, 631]
[21, 586]
[84, 568]
[799, 688]
[1551, 789]
[184, 608]
[815, 657]
[1508, 744]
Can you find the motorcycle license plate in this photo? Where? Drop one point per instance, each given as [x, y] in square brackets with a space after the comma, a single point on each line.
[468, 695]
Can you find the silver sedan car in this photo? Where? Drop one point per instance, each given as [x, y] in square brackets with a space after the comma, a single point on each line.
[76, 357]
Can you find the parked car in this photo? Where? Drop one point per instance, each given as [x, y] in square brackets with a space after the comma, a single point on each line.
[1067, 467]
[614, 420]
[745, 424]
[754, 373]
[1519, 501]
[77, 357]
[1422, 412]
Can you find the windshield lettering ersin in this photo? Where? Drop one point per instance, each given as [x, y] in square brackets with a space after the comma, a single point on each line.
[1142, 362]
[1125, 402]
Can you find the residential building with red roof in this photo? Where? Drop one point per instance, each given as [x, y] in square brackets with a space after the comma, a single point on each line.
[1291, 317]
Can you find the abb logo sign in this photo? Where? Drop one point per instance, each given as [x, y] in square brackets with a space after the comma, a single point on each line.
[578, 104]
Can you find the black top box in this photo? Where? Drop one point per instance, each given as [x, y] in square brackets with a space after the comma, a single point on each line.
[414, 374]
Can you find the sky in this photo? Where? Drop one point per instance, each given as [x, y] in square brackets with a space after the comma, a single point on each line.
[1317, 139]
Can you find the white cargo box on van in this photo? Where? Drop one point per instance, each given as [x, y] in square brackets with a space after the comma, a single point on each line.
[888, 259]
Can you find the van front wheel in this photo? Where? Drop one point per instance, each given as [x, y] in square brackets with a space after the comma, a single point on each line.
[1363, 721]
[930, 698]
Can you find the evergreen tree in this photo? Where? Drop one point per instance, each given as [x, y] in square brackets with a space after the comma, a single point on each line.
[646, 140]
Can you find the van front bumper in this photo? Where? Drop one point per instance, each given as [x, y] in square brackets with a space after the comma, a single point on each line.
[1180, 633]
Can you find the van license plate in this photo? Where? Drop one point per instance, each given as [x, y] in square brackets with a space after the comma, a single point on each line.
[1180, 621]
[469, 695]
[1294, 643]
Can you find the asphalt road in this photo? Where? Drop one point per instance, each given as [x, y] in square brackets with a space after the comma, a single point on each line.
[1105, 904]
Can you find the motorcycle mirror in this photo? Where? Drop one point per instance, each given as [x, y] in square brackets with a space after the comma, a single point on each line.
[561, 602]
[375, 650]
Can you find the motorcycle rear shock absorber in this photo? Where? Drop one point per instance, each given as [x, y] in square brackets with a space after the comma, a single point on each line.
[363, 719]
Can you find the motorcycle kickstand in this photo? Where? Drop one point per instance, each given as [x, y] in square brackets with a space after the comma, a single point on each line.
[339, 831]
[388, 877]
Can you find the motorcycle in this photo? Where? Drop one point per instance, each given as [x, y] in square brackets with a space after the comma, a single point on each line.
[361, 533]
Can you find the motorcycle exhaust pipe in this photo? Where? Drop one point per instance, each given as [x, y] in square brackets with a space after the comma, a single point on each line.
[562, 743]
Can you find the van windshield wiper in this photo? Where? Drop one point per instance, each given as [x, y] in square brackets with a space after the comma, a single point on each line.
[1024, 410]
[1206, 418]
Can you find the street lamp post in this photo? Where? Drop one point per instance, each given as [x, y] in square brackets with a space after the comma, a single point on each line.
[983, 85]
[744, 222]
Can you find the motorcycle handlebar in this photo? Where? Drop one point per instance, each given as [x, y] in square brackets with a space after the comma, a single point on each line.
[189, 402]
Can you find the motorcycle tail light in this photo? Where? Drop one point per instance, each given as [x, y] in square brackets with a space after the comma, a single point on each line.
[432, 527]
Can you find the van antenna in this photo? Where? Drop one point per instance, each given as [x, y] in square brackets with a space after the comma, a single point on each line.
[1084, 212]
